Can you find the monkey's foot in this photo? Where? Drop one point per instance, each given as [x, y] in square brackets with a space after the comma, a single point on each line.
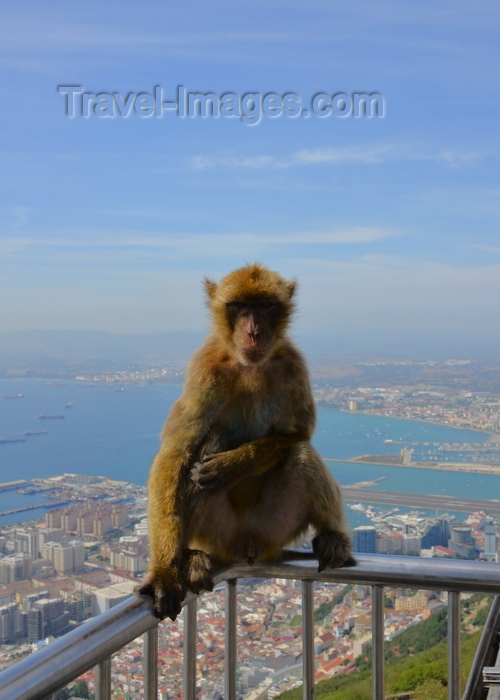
[165, 594]
[332, 548]
[196, 571]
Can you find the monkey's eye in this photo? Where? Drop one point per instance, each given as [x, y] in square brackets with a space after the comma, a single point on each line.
[266, 305]
[236, 305]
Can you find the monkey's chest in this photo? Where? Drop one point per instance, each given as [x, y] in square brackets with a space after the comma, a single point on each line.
[246, 422]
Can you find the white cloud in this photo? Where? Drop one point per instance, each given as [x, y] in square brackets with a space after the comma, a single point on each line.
[355, 155]
[205, 162]
[335, 156]
[84, 245]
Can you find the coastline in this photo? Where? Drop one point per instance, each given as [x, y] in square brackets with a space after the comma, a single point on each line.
[435, 466]
[493, 437]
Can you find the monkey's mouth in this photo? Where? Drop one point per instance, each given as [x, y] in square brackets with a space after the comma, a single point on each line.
[254, 356]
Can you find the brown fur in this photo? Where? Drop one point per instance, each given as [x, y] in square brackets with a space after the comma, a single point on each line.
[236, 477]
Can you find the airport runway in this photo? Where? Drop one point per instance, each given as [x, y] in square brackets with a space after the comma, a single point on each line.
[419, 501]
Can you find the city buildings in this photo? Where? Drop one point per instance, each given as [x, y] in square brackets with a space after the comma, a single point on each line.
[66, 558]
[105, 569]
[490, 542]
[364, 539]
[15, 568]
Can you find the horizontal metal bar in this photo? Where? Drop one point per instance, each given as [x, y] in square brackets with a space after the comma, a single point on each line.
[379, 570]
[53, 667]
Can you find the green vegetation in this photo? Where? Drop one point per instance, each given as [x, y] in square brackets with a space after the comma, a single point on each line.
[481, 616]
[413, 640]
[79, 689]
[326, 608]
[416, 661]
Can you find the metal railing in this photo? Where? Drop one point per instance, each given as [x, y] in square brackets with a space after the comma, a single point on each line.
[43, 673]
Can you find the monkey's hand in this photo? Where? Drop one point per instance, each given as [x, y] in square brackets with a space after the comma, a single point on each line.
[167, 591]
[215, 472]
[332, 548]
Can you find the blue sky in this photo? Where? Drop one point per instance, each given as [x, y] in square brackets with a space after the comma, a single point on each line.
[388, 223]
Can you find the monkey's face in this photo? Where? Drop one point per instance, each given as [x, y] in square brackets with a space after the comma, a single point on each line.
[254, 324]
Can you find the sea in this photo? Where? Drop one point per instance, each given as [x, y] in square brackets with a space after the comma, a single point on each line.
[113, 430]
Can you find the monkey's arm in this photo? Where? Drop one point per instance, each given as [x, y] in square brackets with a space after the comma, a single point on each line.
[217, 471]
[168, 481]
[295, 425]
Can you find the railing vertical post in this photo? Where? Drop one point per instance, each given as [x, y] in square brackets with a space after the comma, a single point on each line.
[490, 631]
[190, 650]
[151, 664]
[453, 646]
[103, 680]
[378, 655]
[230, 660]
[307, 640]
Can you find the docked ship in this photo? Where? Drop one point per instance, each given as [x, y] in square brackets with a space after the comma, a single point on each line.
[358, 506]
[44, 416]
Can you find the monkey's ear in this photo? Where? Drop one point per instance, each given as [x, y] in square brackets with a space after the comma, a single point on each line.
[210, 287]
[292, 286]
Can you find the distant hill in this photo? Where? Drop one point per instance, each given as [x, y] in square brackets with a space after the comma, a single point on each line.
[65, 353]
[68, 352]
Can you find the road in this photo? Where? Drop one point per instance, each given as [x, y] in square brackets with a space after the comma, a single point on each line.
[419, 501]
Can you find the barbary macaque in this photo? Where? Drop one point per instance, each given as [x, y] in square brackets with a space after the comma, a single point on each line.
[236, 477]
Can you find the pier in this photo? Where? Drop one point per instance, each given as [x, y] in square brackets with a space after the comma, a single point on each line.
[32, 507]
[11, 485]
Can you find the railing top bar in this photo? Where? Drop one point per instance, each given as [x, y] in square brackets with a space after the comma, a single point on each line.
[54, 666]
[377, 569]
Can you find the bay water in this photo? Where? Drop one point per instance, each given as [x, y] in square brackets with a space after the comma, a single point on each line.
[113, 431]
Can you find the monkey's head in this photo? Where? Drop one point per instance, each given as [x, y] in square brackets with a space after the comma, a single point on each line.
[250, 311]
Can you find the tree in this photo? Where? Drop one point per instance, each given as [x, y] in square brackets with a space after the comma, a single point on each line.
[431, 690]
[80, 689]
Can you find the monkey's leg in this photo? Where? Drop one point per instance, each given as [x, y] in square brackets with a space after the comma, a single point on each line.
[197, 570]
[332, 543]
[168, 499]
